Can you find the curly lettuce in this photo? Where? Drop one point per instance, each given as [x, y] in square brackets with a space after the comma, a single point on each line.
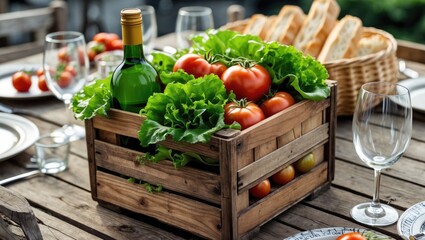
[290, 70]
[189, 112]
[93, 100]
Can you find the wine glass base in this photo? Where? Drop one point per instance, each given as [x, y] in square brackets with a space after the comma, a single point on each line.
[389, 215]
[74, 132]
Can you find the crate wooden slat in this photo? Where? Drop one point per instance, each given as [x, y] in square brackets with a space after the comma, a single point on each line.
[217, 195]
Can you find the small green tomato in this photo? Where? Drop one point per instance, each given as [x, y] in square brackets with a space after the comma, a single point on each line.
[305, 164]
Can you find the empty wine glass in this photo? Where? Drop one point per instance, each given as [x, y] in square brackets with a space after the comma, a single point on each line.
[382, 128]
[190, 21]
[149, 27]
[66, 67]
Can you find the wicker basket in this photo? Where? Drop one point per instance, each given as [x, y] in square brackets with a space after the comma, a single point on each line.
[352, 73]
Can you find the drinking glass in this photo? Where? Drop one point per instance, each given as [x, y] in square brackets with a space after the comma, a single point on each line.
[190, 21]
[66, 67]
[149, 28]
[382, 127]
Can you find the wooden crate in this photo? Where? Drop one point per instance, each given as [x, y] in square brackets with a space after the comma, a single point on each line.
[215, 203]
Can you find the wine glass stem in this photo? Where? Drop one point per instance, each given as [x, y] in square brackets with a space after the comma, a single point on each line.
[68, 111]
[375, 210]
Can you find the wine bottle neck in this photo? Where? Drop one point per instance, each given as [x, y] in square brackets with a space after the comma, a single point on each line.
[132, 40]
[133, 51]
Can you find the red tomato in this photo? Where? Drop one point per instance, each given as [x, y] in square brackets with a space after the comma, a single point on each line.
[197, 66]
[96, 47]
[250, 83]
[243, 112]
[351, 236]
[63, 55]
[65, 79]
[42, 85]
[39, 72]
[100, 37]
[106, 39]
[117, 44]
[261, 190]
[21, 81]
[91, 54]
[71, 70]
[284, 176]
[277, 103]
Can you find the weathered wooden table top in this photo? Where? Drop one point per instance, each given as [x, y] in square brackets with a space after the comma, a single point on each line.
[65, 210]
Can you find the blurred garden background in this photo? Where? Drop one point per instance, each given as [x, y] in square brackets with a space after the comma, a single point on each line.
[405, 19]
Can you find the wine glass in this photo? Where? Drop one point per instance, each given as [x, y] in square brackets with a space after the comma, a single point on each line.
[149, 28]
[66, 67]
[192, 20]
[382, 127]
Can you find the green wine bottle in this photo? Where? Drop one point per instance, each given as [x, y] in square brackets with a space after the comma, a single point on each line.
[134, 80]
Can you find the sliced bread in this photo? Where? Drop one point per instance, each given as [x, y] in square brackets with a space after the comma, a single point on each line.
[319, 22]
[342, 41]
[286, 26]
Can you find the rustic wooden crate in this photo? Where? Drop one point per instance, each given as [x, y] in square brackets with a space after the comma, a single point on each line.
[215, 203]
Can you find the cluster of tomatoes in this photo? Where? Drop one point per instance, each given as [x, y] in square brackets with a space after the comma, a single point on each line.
[21, 80]
[284, 176]
[102, 42]
[250, 82]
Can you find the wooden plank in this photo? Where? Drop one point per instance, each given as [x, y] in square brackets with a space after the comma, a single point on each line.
[411, 51]
[279, 124]
[74, 205]
[282, 199]
[359, 179]
[54, 228]
[16, 207]
[25, 20]
[191, 181]
[405, 168]
[119, 122]
[128, 124]
[173, 209]
[229, 197]
[268, 165]
[90, 136]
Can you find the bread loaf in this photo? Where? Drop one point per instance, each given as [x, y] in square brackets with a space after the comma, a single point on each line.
[342, 41]
[267, 26]
[319, 22]
[286, 26]
[371, 44]
[255, 24]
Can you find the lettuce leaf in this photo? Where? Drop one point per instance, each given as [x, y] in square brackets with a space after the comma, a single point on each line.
[93, 100]
[290, 70]
[189, 112]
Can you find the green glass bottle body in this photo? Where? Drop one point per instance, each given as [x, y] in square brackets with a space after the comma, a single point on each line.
[135, 79]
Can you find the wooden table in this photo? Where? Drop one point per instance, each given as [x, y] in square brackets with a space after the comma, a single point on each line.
[65, 210]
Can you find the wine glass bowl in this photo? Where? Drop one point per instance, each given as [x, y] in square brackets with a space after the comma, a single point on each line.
[190, 21]
[149, 28]
[382, 128]
[66, 67]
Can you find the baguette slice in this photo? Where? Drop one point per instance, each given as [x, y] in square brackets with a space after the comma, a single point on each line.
[255, 24]
[342, 41]
[286, 26]
[266, 27]
[371, 44]
[319, 22]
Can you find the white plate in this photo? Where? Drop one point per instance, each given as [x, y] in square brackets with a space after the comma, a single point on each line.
[412, 221]
[8, 91]
[416, 87]
[17, 134]
[324, 233]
